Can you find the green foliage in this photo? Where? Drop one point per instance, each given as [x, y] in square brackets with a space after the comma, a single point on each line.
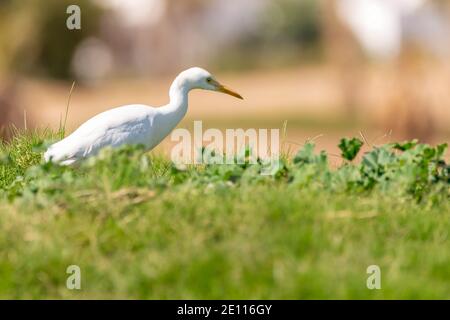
[37, 40]
[287, 30]
[293, 21]
[142, 227]
[21, 153]
[416, 171]
[407, 145]
[350, 148]
[306, 156]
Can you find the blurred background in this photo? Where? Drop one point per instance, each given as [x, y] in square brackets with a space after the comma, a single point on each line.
[331, 68]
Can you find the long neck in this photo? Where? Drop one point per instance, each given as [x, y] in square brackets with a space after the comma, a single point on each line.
[177, 107]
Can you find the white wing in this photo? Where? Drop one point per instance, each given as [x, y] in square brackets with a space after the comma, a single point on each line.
[131, 124]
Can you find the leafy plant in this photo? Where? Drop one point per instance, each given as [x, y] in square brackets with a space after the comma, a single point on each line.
[142, 227]
[350, 148]
[407, 168]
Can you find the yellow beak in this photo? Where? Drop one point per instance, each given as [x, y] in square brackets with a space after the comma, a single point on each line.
[222, 88]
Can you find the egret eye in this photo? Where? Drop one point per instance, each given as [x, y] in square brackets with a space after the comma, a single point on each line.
[209, 80]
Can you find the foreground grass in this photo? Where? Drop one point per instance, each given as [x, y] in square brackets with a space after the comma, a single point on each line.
[138, 228]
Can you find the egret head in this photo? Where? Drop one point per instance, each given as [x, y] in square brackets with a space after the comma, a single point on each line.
[198, 78]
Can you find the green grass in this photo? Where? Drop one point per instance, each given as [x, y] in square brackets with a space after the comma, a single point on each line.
[140, 228]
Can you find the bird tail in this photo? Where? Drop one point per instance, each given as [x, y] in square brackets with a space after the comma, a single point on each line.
[56, 153]
[51, 154]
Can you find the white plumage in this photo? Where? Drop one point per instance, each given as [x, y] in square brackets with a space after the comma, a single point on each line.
[134, 124]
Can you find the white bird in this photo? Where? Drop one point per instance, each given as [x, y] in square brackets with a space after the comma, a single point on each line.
[134, 124]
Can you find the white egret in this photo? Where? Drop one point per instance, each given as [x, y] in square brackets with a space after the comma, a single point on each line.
[136, 123]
